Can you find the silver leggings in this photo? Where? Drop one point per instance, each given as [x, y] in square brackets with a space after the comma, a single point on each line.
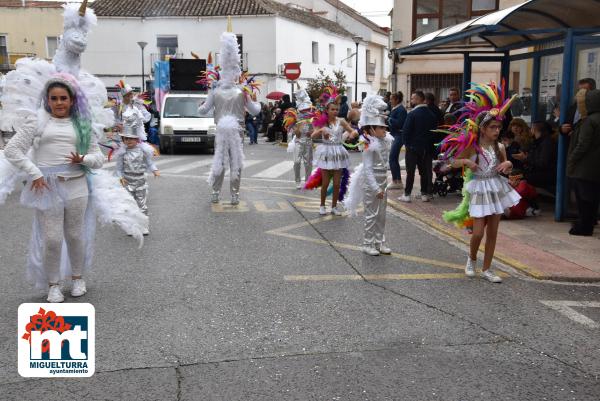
[303, 153]
[375, 211]
[64, 223]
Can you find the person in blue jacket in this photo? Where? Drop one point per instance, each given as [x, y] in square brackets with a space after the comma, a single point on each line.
[395, 123]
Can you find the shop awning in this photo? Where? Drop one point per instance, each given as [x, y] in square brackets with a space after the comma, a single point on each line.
[530, 23]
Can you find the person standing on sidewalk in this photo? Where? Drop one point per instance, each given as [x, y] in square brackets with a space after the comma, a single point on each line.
[474, 145]
[583, 164]
[395, 123]
[418, 141]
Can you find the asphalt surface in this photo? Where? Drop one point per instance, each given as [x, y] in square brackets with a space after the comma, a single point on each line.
[269, 301]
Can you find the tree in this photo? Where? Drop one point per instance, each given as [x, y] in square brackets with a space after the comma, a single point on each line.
[316, 85]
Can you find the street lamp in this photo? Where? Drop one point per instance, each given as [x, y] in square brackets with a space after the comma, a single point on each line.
[142, 45]
[357, 40]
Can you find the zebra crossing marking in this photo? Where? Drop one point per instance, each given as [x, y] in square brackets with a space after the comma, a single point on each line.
[276, 170]
[188, 166]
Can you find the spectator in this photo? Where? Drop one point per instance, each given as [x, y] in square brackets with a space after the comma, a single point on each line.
[286, 103]
[395, 122]
[416, 134]
[430, 100]
[344, 109]
[512, 147]
[540, 161]
[353, 118]
[454, 102]
[276, 127]
[573, 115]
[251, 128]
[267, 117]
[527, 206]
[522, 134]
[583, 164]
[386, 99]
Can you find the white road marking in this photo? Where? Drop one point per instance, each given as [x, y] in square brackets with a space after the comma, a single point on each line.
[275, 171]
[566, 308]
[188, 166]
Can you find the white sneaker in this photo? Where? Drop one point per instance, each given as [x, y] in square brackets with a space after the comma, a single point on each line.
[404, 198]
[54, 294]
[298, 185]
[370, 250]
[384, 250]
[322, 210]
[425, 198]
[214, 197]
[336, 211]
[78, 288]
[470, 267]
[491, 277]
[235, 200]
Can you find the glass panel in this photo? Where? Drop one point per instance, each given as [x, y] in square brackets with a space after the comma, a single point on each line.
[588, 62]
[550, 84]
[427, 25]
[484, 5]
[455, 11]
[521, 82]
[427, 6]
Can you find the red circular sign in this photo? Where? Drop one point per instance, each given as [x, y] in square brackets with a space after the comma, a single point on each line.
[292, 71]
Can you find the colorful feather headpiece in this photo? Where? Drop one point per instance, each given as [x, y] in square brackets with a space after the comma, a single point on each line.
[209, 77]
[124, 87]
[249, 84]
[488, 102]
[330, 93]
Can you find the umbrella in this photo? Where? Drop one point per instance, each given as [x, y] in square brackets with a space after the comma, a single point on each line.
[275, 95]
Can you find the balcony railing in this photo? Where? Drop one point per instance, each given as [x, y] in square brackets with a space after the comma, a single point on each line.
[244, 64]
[8, 60]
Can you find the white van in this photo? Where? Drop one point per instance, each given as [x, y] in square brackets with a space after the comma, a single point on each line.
[181, 125]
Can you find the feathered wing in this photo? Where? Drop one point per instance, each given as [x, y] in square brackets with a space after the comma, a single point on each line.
[23, 87]
[114, 205]
[356, 193]
[95, 91]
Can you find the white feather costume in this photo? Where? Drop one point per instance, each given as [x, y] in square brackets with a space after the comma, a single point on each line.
[23, 111]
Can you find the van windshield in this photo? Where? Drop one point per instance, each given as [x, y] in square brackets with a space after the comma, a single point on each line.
[184, 107]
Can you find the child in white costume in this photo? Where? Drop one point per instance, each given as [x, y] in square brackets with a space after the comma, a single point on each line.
[369, 183]
[299, 123]
[134, 159]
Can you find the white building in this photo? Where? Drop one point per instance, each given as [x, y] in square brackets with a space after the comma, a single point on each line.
[270, 34]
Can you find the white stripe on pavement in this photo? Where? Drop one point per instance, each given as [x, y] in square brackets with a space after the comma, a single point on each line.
[188, 166]
[275, 171]
[160, 162]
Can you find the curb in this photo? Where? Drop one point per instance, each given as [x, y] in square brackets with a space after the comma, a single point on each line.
[515, 264]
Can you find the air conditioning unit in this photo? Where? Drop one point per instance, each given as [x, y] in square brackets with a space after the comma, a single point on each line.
[397, 35]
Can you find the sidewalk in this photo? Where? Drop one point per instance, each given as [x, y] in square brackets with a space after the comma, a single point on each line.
[537, 246]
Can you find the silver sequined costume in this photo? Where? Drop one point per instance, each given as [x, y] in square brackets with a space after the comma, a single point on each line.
[375, 164]
[132, 165]
[303, 151]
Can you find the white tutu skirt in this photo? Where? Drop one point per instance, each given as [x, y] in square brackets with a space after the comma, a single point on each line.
[491, 196]
[331, 157]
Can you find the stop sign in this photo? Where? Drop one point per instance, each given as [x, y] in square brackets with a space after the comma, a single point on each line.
[292, 71]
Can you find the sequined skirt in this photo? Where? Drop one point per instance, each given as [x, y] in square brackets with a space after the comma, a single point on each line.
[491, 195]
[331, 157]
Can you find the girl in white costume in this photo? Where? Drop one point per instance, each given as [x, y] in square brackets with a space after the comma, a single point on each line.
[331, 156]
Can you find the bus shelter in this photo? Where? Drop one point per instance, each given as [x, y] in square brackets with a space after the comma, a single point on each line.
[547, 44]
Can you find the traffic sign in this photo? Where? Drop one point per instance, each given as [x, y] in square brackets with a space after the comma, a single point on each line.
[292, 71]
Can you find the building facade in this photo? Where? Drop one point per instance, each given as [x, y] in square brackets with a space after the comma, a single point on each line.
[28, 29]
[439, 73]
[270, 34]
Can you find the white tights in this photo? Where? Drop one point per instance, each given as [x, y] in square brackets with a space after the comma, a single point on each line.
[64, 223]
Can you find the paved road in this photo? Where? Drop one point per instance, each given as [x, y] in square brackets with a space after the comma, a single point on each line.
[269, 301]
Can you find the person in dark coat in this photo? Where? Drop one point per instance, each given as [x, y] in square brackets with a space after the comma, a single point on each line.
[344, 108]
[540, 162]
[583, 165]
[454, 102]
[573, 115]
[430, 100]
[395, 123]
[418, 141]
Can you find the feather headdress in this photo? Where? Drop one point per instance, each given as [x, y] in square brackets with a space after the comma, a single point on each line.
[488, 102]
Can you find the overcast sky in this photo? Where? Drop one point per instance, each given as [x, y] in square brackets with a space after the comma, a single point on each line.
[376, 10]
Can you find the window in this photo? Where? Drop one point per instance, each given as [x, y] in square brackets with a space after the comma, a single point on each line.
[431, 15]
[331, 54]
[368, 58]
[51, 46]
[315, 52]
[348, 57]
[167, 46]
[3, 50]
